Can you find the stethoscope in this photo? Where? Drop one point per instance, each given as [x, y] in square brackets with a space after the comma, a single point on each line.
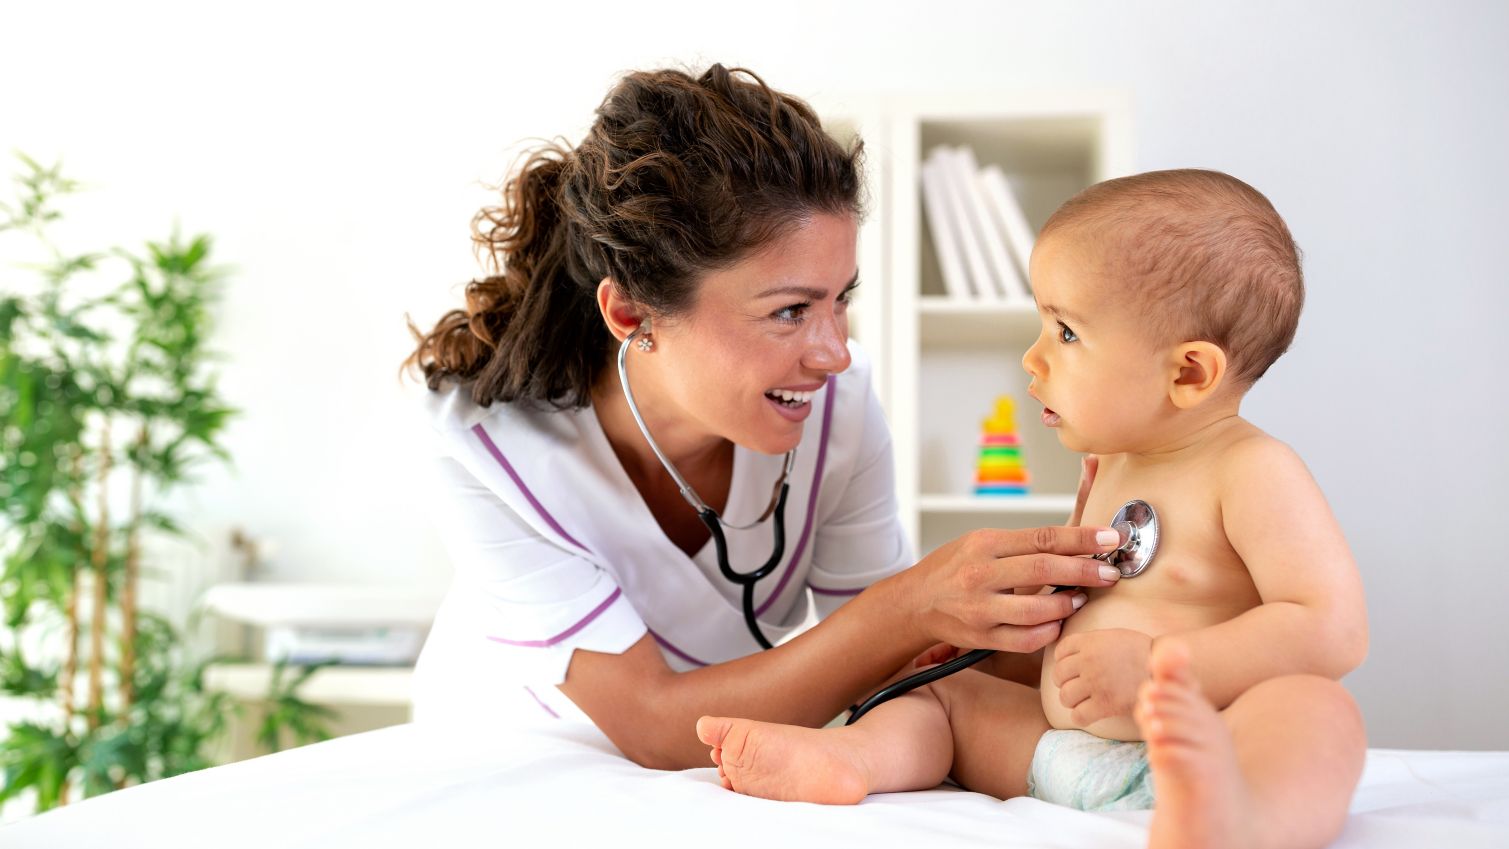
[1136, 520]
[710, 517]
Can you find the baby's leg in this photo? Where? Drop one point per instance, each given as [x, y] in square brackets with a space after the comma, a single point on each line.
[982, 726]
[1276, 768]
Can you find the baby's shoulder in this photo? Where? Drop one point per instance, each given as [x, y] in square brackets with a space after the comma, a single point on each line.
[1249, 453]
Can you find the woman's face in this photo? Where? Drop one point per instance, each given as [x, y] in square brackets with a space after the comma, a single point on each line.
[775, 325]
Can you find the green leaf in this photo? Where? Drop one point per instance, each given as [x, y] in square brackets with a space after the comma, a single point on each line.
[36, 757]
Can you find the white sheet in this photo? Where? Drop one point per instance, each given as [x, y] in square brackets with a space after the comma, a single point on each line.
[424, 787]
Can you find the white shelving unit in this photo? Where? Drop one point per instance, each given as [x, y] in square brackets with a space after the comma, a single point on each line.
[940, 362]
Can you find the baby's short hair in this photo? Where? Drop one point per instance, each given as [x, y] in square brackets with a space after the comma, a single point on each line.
[1207, 255]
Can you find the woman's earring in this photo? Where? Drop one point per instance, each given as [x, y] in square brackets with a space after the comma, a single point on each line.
[646, 344]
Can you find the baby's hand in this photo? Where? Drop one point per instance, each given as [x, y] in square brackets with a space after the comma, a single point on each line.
[1098, 672]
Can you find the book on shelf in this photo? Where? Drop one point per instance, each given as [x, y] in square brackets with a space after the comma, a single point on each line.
[959, 191]
[1009, 279]
[1008, 215]
[940, 224]
[979, 232]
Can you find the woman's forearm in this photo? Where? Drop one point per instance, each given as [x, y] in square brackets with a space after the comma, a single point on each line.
[806, 681]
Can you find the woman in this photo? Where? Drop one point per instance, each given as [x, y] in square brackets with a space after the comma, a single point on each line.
[703, 234]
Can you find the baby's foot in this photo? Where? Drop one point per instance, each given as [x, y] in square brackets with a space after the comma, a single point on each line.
[1202, 798]
[783, 762]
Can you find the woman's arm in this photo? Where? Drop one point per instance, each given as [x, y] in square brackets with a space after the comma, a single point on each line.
[960, 594]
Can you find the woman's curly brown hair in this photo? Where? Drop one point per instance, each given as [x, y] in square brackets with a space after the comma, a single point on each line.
[679, 176]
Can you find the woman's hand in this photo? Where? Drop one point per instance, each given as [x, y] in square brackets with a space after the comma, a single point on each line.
[1087, 468]
[962, 594]
[940, 653]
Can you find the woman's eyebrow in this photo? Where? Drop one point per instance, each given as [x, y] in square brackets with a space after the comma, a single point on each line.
[806, 292]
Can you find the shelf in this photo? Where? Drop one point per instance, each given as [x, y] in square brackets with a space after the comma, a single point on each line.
[348, 685]
[953, 323]
[945, 361]
[1044, 505]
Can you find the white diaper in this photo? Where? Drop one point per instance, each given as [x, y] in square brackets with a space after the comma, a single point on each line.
[1080, 770]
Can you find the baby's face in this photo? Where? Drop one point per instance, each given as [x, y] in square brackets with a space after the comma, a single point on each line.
[1100, 378]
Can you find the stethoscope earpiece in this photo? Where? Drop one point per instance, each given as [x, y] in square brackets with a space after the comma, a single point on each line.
[708, 515]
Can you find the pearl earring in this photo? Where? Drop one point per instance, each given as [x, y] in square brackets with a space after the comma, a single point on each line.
[646, 344]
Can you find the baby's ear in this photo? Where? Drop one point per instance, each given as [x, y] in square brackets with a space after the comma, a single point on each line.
[1198, 370]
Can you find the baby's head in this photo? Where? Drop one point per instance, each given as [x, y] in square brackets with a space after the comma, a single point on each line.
[1164, 297]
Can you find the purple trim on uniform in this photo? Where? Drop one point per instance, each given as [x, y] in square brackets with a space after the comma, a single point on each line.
[801, 545]
[541, 702]
[569, 632]
[666, 644]
[826, 591]
[817, 485]
[519, 482]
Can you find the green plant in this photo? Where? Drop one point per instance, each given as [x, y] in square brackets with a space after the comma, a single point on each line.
[305, 722]
[107, 404]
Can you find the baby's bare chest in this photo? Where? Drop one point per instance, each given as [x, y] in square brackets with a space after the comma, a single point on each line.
[1195, 578]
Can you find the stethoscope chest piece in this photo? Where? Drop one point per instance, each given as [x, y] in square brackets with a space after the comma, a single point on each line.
[1139, 522]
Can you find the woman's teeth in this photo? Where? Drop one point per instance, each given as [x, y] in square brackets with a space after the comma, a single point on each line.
[789, 398]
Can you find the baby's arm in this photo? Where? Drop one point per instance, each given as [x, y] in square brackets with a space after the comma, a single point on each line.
[1313, 618]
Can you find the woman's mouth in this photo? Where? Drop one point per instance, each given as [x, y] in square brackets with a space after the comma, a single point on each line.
[790, 398]
[792, 404]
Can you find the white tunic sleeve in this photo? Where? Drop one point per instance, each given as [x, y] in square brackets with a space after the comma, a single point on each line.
[863, 540]
[519, 604]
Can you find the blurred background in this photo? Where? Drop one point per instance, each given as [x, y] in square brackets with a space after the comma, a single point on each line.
[337, 153]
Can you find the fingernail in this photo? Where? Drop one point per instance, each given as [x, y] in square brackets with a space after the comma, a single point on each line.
[1079, 600]
[1107, 537]
[1109, 573]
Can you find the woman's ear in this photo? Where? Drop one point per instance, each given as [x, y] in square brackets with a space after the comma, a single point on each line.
[1199, 369]
[620, 314]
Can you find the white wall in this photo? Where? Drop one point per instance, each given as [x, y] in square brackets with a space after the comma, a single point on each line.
[336, 155]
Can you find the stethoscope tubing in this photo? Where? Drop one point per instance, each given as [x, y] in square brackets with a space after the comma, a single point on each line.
[710, 517]
[1136, 518]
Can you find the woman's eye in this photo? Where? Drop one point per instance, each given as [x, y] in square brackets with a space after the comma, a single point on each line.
[792, 314]
[1065, 334]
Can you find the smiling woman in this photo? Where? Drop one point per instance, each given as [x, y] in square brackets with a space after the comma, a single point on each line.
[704, 233]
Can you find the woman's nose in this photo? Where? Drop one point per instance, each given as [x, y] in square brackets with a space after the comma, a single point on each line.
[829, 349]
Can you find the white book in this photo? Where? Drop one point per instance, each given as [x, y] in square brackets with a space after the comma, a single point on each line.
[1008, 279]
[1009, 216]
[956, 191]
[942, 227]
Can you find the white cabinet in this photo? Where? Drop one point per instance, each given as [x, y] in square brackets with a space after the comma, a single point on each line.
[941, 362]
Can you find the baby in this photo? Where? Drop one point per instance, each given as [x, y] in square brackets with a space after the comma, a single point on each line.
[1212, 675]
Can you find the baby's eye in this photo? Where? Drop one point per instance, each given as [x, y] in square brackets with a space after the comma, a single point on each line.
[1065, 334]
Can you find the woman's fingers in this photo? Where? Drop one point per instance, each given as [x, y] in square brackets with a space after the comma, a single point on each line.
[1052, 569]
[1086, 480]
[1023, 640]
[1050, 539]
[1034, 609]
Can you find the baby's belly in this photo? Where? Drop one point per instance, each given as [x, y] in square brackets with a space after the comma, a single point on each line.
[1153, 617]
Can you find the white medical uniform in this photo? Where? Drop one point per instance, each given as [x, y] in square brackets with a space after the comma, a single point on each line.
[554, 549]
